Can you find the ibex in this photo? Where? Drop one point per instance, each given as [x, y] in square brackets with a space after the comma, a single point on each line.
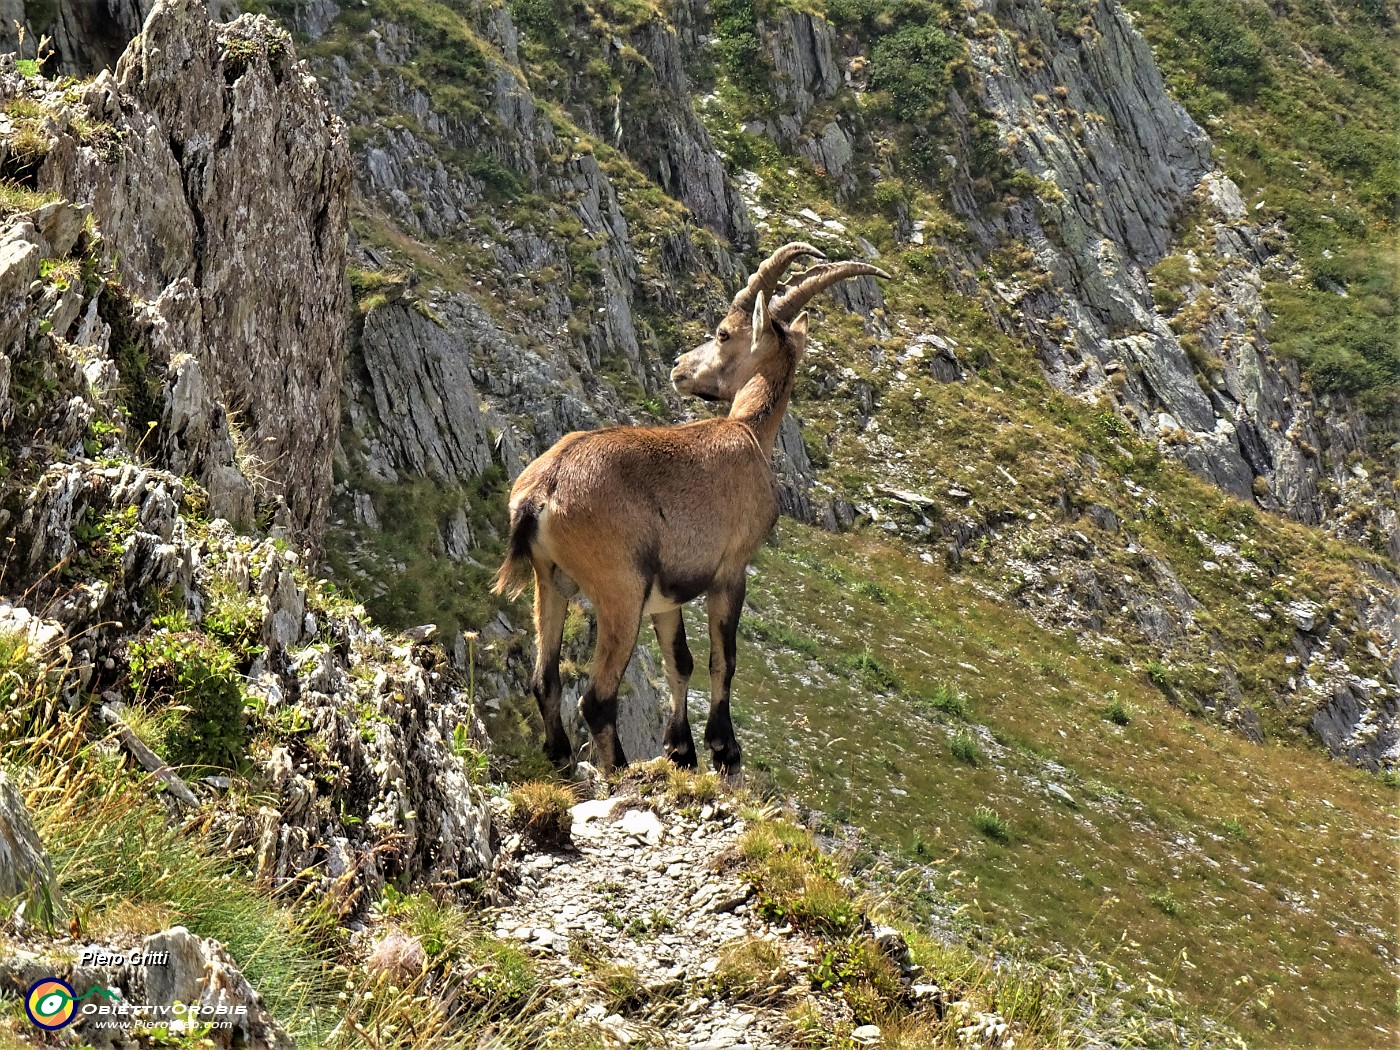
[644, 519]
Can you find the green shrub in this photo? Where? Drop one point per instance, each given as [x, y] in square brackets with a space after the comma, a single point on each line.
[890, 196]
[914, 66]
[948, 700]
[1231, 53]
[538, 17]
[990, 823]
[737, 45]
[233, 617]
[501, 182]
[965, 749]
[1116, 711]
[503, 976]
[196, 675]
[796, 882]
[874, 591]
[865, 975]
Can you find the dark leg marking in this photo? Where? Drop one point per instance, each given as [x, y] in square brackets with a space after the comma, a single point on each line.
[617, 635]
[725, 604]
[550, 608]
[678, 742]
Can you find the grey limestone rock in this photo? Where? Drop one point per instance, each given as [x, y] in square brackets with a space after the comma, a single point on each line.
[195, 971]
[26, 873]
[219, 123]
[414, 403]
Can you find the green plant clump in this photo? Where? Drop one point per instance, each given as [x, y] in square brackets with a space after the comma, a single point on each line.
[1117, 712]
[964, 748]
[991, 823]
[738, 48]
[913, 69]
[193, 675]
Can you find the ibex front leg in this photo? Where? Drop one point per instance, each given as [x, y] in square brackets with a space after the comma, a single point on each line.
[678, 742]
[724, 605]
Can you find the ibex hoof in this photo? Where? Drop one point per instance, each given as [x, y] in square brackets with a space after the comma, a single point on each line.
[559, 754]
[727, 758]
[683, 758]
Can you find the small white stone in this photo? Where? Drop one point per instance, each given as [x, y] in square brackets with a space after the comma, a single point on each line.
[601, 809]
[642, 824]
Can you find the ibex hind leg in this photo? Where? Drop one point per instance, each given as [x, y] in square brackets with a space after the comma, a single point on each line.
[724, 606]
[550, 610]
[678, 742]
[618, 623]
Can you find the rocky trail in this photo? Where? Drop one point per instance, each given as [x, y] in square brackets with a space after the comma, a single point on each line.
[649, 903]
[652, 893]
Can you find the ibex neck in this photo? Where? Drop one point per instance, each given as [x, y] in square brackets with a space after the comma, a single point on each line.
[764, 399]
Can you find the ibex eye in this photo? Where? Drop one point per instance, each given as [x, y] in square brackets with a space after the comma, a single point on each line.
[722, 336]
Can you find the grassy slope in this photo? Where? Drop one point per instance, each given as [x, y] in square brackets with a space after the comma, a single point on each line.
[1183, 838]
[1261, 863]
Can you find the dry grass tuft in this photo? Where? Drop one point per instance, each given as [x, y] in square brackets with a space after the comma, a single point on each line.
[753, 969]
[542, 813]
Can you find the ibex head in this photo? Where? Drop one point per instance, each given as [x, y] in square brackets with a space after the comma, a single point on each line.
[717, 369]
[770, 336]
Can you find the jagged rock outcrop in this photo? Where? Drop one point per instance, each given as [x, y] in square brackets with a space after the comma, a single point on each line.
[399, 801]
[26, 873]
[1089, 114]
[1127, 179]
[200, 128]
[116, 408]
[808, 70]
[86, 35]
[386, 793]
[410, 400]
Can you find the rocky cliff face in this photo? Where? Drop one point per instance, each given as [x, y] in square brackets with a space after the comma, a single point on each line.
[1087, 112]
[169, 363]
[197, 112]
[1139, 283]
[1128, 180]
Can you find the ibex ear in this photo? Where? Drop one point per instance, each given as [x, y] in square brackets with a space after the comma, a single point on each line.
[799, 325]
[760, 321]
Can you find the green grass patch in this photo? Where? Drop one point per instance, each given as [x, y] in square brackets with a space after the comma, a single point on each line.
[991, 824]
[964, 748]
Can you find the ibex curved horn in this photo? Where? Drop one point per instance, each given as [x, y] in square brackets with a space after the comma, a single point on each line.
[817, 279]
[770, 272]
